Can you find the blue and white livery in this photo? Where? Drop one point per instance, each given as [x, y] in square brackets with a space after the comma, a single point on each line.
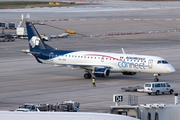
[99, 64]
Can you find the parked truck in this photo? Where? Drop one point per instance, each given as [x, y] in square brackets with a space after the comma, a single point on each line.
[32, 107]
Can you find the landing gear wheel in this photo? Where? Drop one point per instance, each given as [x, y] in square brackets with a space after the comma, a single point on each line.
[156, 79]
[87, 75]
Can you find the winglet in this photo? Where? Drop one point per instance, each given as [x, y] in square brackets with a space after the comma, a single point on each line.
[123, 51]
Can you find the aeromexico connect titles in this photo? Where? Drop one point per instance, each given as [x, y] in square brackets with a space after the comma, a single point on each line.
[99, 64]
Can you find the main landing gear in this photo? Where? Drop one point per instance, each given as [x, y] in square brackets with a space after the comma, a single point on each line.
[87, 75]
[156, 77]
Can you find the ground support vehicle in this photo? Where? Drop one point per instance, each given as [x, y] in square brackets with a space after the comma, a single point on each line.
[70, 31]
[64, 35]
[65, 106]
[7, 38]
[69, 106]
[33, 107]
[158, 87]
[45, 37]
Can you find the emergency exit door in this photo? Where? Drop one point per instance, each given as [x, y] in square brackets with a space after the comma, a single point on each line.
[102, 59]
[150, 63]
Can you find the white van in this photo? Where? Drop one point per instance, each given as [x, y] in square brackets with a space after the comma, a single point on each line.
[158, 87]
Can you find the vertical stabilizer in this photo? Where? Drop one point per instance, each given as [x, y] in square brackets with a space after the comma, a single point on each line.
[34, 39]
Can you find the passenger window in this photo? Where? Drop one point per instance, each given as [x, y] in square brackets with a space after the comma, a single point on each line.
[147, 85]
[153, 85]
[157, 85]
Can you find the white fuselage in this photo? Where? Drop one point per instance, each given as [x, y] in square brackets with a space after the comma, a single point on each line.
[115, 62]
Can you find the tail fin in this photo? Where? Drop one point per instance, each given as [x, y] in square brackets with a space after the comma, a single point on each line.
[34, 39]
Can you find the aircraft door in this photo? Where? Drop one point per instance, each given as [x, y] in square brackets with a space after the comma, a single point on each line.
[102, 59]
[51, 55]
[150, 64]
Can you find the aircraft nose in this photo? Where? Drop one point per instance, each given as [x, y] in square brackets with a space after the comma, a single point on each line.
[171, 69]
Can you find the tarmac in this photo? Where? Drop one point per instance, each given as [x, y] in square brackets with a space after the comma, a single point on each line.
[23, 80]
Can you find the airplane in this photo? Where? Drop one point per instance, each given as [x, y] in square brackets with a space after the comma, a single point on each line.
[8, 115]
[98, 64]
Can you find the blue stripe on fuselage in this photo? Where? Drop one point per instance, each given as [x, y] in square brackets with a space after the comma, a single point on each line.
[45, 54]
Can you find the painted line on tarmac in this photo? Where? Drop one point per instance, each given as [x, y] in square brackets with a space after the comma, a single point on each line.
[134, 33]
[106, 19]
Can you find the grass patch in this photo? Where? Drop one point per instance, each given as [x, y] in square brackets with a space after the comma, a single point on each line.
[22, 2]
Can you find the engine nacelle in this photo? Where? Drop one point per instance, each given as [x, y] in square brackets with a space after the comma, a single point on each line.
[129, 73]
[101, 72]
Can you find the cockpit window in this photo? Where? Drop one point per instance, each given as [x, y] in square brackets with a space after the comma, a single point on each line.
[162, 62]
[159, 62]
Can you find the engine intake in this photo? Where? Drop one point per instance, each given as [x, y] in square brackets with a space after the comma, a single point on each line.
[129, 73]
[101, 72]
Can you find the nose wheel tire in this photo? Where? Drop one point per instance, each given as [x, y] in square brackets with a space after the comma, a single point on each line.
[156, 80]
[87, 75]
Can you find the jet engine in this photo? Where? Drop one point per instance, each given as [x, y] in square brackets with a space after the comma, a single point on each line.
[129, 73]
[101, 72]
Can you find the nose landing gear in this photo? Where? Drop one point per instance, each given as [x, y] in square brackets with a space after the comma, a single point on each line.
[156, 77]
